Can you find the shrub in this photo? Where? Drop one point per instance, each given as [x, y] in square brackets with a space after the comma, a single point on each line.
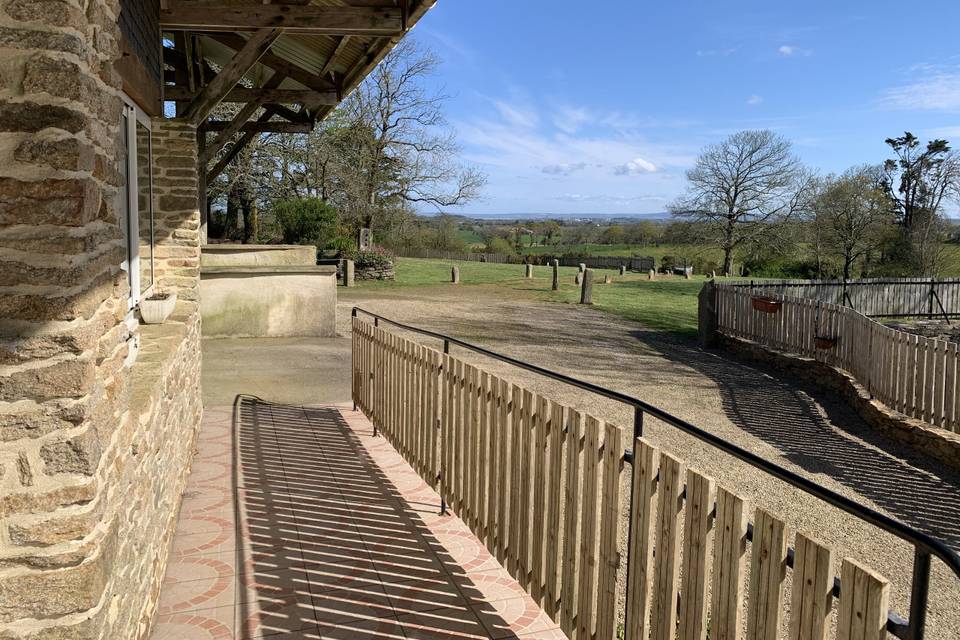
[376, 258]
[306, 221]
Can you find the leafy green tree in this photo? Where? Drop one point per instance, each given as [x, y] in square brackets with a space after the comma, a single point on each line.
[852, 215]
[306, 221]
[918, 181]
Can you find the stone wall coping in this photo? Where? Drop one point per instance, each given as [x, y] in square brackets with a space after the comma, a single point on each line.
[242, 248]
[279, 270]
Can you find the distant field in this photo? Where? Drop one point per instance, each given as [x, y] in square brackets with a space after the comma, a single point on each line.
[679, 251]
[668, 304]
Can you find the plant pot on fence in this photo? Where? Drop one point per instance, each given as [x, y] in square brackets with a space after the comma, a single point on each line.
[825, 342]
[157, 308]
[766, 305]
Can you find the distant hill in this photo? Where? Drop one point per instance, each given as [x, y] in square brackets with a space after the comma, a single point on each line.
[572, 217]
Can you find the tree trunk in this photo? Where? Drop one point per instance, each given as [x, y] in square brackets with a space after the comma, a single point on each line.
[728, 261]
[232, 224]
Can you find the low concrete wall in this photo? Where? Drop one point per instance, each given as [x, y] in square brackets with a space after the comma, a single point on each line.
[252, 255]
[268, 301]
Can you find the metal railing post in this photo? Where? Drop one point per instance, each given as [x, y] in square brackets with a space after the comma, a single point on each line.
[637, 433]
[919, 594]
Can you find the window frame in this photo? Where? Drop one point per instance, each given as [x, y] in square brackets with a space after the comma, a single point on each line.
[134, 116]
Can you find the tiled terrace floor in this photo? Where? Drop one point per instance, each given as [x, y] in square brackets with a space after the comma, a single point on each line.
[298, 523]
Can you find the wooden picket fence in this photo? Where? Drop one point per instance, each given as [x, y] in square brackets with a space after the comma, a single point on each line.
[874, 297]
[539, 484]
[912, 374]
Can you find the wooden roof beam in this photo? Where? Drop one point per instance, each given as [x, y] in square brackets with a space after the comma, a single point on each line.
[262, 127]
[211, 95]
[327, 20]
[260, 96]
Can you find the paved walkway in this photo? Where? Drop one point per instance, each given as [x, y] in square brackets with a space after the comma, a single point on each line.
[297, 523]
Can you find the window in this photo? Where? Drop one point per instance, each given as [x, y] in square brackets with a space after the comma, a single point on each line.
[135, 204]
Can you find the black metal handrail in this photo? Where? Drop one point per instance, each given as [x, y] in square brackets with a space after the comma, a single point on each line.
[924, 544]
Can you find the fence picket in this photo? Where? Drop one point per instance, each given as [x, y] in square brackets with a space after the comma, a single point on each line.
[667, 560]
[812, 589]
[570, 580]
[553, 507]
[588, 535]
[768, 569]
[697, 548]
[728, 565]
[609, 515]
[863, 603]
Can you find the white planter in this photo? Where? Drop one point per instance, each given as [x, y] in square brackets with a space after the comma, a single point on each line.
[156, 311]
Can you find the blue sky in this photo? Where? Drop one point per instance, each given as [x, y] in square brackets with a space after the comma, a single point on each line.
[600, 107]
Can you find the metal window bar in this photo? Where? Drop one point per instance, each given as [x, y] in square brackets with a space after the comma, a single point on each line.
[925, 546]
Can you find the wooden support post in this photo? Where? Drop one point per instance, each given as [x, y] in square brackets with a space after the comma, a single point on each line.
[623, 270]
[556, 274]
[529, 271]
[455, 274]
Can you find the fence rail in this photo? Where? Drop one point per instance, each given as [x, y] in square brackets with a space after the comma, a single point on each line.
[873, 297]
[911, 374]
[539, 483]
[632, 263]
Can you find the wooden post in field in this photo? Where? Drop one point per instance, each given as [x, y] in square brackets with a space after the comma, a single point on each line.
[623, 269]
[578, 279]
[651, 275]
[586, 289]
[349, 273]
[582, 267]
[455, 274]
[607, 279]
[529, 270]
[556, 273]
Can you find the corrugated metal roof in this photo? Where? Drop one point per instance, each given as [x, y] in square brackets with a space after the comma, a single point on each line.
[311, 52]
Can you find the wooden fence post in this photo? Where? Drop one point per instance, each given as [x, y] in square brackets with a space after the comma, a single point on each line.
[586, 289]
[556, 274]
[455, 274]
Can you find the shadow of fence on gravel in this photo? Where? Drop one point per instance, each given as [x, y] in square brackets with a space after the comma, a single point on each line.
[822, 434]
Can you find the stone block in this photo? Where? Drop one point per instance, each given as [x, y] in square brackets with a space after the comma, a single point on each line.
[78, 455]
[29, 117]
[67, 378]
[72, 202]
[55, 13]
[44, 532]
[63, 153]
[77, 589]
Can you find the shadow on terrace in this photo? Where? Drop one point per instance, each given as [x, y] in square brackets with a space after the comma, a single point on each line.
[335, 537]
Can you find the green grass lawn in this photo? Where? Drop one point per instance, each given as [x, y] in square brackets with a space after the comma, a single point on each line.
[665, 304]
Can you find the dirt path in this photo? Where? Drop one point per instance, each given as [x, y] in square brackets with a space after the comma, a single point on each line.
[800, 427]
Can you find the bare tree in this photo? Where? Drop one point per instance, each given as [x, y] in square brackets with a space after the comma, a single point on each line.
[852, 215]
[742, 188]
[396, 147]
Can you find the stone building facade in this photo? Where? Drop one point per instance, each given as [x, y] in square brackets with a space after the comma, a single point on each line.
[95, 444]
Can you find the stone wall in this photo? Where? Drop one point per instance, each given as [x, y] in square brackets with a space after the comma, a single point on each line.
[93, 450]
[177, 216]
[938, 443]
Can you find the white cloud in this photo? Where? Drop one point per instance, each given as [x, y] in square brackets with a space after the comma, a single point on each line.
[635, 167]
[711, 53]
[754, 100]
[789, 50]
[564, 169]
[569, 119]
[517, 115]
[935, 89]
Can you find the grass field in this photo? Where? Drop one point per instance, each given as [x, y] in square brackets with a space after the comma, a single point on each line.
[668, 304]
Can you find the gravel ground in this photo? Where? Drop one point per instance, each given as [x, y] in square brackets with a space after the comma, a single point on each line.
[799, 427]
